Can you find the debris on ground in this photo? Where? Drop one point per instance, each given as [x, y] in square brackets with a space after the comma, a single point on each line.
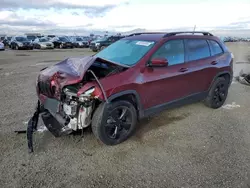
[243, 78]
[231, 106]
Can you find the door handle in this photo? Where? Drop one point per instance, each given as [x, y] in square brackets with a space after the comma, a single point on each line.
[214, 62]
[183, 70]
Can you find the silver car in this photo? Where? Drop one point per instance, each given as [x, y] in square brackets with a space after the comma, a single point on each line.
[2, 46]
[43, 43]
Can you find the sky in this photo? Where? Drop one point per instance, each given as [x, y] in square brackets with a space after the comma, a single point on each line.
[90, 16]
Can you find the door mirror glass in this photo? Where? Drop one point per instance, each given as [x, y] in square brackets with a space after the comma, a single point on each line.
[158, 62]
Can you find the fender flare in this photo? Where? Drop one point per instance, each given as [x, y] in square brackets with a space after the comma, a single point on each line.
[219, 74]
[129, 92]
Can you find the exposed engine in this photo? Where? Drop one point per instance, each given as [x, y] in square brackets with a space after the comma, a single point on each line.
[78, 110]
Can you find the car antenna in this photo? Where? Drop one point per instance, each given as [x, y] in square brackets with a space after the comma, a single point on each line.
[194, 29]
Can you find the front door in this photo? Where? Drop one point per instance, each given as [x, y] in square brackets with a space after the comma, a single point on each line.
[166, 84]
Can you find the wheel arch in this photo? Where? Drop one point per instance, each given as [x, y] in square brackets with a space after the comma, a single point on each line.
[224, 74]
[131, 96]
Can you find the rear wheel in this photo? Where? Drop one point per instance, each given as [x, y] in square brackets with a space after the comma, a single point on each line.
[115, 123]
[218, 93]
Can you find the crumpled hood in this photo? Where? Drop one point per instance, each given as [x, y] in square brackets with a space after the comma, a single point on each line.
[68, 71]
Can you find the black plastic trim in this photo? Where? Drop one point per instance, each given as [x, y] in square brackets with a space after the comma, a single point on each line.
[127, 92]
[175, 103]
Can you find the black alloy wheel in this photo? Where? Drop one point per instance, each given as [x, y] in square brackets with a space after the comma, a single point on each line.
[114, 123]
[118, 122]
[218, 93]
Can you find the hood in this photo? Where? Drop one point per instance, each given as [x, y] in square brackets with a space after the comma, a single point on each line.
[26, 42]
[98, 40]
[69, 71]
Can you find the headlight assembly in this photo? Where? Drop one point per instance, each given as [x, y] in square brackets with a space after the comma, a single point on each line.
[86, 94]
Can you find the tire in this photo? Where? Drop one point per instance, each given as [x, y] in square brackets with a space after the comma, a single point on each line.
[113, 133]
[16, 47]
[102, 47]
[217, 94]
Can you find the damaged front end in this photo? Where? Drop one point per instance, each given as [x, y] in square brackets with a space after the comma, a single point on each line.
[68, 93]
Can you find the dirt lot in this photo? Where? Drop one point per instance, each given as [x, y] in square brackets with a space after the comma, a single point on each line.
[192, 146]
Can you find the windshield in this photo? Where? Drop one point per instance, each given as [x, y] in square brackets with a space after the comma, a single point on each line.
[21, 39]
[31, 37]
[79, 39]
[43, 40]
[63, 39]
[127, 52]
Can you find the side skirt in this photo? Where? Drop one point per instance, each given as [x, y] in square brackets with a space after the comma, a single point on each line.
[174, 104]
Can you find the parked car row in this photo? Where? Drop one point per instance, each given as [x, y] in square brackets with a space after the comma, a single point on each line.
[235, 39]
[30, 42]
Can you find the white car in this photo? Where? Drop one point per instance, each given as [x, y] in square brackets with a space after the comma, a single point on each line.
[2, 46]
[43, 43]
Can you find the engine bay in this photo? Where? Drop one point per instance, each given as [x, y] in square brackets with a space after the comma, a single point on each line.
[79, 109]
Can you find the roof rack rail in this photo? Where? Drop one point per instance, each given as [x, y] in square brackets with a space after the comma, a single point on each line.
[133, 34]
[183, 32]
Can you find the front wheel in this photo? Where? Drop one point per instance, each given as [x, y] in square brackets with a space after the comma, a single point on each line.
[114, 123]
[16, 47]
[217, 94]
[102, 47]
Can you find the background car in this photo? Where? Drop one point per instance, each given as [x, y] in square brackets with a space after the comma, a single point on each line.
[102, 43]
[31, 38]
[2, 47]
[20, 42]
[80, 42]
[7, 40]
[43, 43]
[62, 42]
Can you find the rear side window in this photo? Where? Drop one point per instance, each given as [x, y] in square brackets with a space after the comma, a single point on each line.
[173, 51]
[197, 49]
[215, 48]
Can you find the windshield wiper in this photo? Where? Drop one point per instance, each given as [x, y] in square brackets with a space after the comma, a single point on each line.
[117, 63]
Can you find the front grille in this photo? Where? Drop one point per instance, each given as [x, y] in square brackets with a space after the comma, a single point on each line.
[45, 88]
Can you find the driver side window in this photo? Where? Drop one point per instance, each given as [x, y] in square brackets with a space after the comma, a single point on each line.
[173, 51]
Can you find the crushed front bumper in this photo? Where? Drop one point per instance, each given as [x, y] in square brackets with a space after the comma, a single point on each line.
[55, 122]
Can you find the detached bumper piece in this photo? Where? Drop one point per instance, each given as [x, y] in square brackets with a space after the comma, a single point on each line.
[32, 126]
[52, 119]
[55, 124]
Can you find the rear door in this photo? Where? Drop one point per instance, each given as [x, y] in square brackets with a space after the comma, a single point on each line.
[166, 84]
[199, 63]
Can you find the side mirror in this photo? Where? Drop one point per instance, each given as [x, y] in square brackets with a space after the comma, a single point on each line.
[158, 62]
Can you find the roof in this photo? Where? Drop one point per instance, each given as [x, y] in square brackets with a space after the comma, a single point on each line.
[157, 36]
[150, 37]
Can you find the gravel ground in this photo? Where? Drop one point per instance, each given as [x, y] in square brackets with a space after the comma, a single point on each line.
[192, 146]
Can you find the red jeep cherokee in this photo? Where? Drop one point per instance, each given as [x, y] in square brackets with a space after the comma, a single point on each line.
[134, 77]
